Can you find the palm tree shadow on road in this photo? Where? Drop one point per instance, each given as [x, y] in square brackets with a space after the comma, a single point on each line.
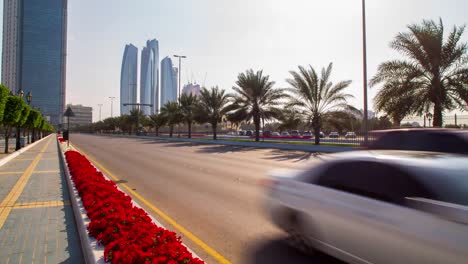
[296, 156]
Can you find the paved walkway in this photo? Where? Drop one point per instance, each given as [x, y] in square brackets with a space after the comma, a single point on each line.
[36, 219]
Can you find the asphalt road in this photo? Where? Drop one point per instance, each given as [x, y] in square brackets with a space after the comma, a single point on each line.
[211, 190]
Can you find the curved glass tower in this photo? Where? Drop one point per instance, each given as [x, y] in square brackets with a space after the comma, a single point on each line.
[128, 79]
[149, 81]
[168, 81]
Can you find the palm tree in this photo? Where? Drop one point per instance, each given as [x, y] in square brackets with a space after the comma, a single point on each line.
[257, 97]
[171, 112]
[236, 117]
[315, 97]
[211, 107]
[289, 119]
[435, 74]
[136, 118]
[188, 104]
[158, 120]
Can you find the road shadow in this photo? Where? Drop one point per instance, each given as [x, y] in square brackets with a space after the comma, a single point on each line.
[296, 156]
[277, 251]
[224, 149]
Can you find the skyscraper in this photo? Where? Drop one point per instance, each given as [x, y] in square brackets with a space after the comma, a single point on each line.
[149, 77]
[168, 81]
[128, 79]
[34, 52]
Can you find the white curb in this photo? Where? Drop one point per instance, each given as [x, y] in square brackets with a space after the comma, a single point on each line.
[92, 251]
[15, 154]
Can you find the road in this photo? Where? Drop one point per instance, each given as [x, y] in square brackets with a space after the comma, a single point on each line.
[210, 190]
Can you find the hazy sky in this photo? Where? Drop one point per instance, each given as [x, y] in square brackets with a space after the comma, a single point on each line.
[222, 38]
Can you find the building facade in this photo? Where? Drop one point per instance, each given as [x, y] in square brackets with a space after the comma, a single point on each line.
[192, 88]
[83, 115]
[128, 79]
[34, 53]
[149, 77]
[168, 81]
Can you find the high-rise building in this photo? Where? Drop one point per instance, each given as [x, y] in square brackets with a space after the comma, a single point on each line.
[128, 79]
[149, 77]
[168, 81]
[34, 52]
[192, 88]
[83, 115]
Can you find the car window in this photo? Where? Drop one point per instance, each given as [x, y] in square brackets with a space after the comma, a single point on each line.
[373, 180]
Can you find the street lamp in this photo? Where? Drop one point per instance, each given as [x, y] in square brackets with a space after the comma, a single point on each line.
[29, 98]
[100, 106]
[429, 117]
[364, 66]
[112, 104]
[180, 70]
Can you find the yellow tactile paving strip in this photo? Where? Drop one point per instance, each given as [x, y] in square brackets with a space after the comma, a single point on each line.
[21, 172]
[39, 204]
[7, 204]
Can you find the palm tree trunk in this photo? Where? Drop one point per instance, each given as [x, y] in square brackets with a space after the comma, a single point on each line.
[316, 126]
[7, 135]
[189, 129]
[157, 131]
[214, 126]
[257, 128]
[437, 121]
[171, 129]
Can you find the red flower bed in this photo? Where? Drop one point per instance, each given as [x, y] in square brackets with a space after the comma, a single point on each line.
[127, 232]
[61, 140]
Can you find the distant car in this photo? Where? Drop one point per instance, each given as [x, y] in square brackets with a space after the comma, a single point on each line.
[307, 134]
[249, 133]
[295, 133]
[423, 139]
[350, 135]
[322, 135]
[275, 134]
[285, 134]
[379, 206]
[334, 135]
[241, 133]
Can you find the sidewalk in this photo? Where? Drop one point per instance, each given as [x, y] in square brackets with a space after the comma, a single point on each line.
[36, 219]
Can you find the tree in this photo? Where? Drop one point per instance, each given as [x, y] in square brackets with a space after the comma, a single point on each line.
[434, 75]
[289, 119]
[171, 112]
[33, 115]
[237, 117]
[212, 106]
[257, 97]
[187, 104]
[158, 121]
[315, 96]
[4, 93]
[13, 107]
[22, 120]
[135, 118]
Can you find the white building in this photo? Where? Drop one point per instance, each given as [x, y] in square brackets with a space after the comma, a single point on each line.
[168, 81]
[128, 79]
[192, 88]
[149, 77]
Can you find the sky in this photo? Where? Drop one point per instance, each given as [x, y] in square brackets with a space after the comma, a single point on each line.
[222, 38]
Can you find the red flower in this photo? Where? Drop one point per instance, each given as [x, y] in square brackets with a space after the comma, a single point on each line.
[127, 232]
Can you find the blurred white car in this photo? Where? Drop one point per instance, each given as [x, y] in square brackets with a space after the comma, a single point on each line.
[377, 206]
[350, 135]
[285, 134]
[275, 134]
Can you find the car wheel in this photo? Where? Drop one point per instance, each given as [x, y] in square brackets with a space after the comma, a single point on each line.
[296, 238]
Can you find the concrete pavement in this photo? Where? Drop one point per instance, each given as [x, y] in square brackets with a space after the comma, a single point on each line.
[210, 190]
[36, 220]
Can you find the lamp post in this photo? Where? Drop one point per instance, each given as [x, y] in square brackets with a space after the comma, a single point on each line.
[18, 130]
[28, 99]
[69, 113]
[112, 105]
[364, 67]
[100, 106]
[180, 70]
[429, 117]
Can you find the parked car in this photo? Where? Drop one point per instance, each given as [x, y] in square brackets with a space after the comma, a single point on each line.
[333, 135]
[364, 206]
[249, 133]
[241, 133]
[322, 135]
[423, 139]
[267, 134]
[285, 134]
[275, 134]
[350, 135]
[295, 133]
[307, 134]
